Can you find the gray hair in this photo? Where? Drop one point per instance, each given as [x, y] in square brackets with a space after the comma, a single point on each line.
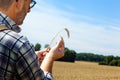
[5, 4]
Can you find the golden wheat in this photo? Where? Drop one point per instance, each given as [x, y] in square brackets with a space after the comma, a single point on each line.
[84, 71]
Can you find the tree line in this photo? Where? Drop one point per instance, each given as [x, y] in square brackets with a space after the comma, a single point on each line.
[111, 60]
[89, 57]
[72, 56]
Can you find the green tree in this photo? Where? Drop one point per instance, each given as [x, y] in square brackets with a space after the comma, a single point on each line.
[118, 62]
[46, 45]
[37, 47]
[109, 59]
[69, 56]
[113, 62]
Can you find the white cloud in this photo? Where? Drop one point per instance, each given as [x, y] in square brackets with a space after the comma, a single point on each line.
[42, 24]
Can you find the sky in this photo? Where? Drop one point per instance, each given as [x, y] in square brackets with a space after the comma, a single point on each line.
[94, 25]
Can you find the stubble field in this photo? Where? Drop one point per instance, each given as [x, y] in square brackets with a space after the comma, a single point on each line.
[84, 71]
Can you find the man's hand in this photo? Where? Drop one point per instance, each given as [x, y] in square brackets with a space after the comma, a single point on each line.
[57, 51]
[41, 54]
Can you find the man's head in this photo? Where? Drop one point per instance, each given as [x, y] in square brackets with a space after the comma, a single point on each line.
[5, 4]
[16, 9]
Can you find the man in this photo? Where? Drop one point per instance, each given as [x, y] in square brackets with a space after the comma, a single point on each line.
[18, 60]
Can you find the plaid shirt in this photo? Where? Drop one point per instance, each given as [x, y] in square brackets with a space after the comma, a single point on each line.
[18, 60]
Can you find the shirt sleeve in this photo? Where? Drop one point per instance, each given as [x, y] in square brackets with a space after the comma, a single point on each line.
[27, 65]
[48, 75]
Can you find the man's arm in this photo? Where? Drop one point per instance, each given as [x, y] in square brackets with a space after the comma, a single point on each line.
[55, 53]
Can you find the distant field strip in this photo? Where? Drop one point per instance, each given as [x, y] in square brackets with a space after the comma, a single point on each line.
[84, 71]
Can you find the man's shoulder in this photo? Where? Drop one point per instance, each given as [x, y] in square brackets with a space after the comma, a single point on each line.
[12, 40]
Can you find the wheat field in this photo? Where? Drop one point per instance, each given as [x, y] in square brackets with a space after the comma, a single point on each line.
[84, 71]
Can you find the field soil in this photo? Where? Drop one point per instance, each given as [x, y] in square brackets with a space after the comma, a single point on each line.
[81, 70]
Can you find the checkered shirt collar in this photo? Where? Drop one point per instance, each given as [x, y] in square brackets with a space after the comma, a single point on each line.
[9, 23]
